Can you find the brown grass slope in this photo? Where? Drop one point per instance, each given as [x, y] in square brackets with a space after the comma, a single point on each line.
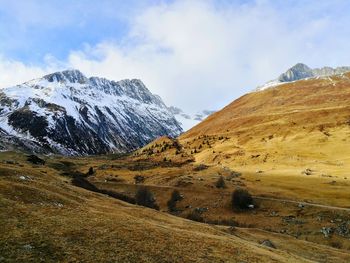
[44, 218]
[274, 136]
[305, 104]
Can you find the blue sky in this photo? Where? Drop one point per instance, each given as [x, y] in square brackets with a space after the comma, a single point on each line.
[194, 54]
[32, 29]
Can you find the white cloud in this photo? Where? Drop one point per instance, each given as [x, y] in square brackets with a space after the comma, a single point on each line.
[201, 55]
[15, 72]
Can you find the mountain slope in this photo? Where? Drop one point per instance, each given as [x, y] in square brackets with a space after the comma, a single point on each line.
[299, 125]
[66, 112]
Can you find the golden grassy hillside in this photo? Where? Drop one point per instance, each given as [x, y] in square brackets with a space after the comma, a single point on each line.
[284, 139]
[289, 137]
[44, 218]
[304, 123]
[283, 110]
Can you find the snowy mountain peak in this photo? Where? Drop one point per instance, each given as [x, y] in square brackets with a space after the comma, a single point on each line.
[189, 120]
[299, 71]
[133, 88]
[67, 76]
[302, 71]
[66, 112]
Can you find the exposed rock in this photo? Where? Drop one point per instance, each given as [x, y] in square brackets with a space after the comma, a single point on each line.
[28, 247]
[268, 243]
[201, 210]
[24, 177]
[273, 213]
[200, 167]
[327, 231]
[233, 175]
[343, 229]
[307, 171]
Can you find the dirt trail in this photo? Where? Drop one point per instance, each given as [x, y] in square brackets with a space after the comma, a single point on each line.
[303, 203]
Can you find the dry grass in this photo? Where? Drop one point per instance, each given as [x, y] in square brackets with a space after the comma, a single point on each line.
[45, 219]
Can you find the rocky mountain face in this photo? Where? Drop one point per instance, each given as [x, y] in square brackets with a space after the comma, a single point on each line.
[302, 71]
[188, 121]
[68, 113]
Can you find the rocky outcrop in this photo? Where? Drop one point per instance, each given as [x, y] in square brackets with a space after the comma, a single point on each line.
[302, 71]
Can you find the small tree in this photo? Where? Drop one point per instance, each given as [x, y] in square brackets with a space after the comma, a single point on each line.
[175, 197]
[241, 199]
[220, 183]
[146, 198]
[91, 171]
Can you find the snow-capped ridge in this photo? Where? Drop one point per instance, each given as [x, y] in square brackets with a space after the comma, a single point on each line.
[301, 71]
[189, 120]
[67, 76]
[67, 112]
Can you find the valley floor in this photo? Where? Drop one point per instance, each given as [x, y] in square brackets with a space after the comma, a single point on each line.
[44, 218]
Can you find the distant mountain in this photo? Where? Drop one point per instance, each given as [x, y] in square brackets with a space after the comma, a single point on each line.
[68, 113]
[188, 121]
[302, 71]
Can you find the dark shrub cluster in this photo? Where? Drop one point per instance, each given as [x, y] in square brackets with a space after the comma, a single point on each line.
[220, 183]
[146, 198]
[83, 183]
[35, 159]
[241, 199]
[175, 197]
[91, 171]
[195, 216]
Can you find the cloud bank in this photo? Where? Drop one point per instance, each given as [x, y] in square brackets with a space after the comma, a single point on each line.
[203, 54]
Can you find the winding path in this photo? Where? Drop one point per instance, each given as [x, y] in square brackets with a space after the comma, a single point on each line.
[302, 203]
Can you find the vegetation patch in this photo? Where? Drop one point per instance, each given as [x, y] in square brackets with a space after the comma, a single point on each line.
[175, 197]
[241, 199]
[146, 198]
[35, 159]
